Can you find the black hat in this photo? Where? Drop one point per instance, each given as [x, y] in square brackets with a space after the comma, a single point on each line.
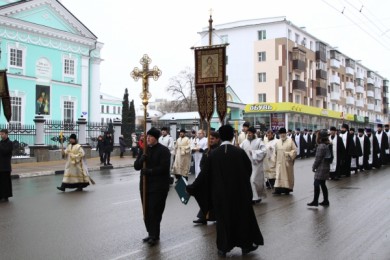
[305, 129]
[310, 130]
[289, 130]
[298, 129]
[379, 125]
[154, 132]
[226, 132]
[352, 129]
[345, 126]
[282, 130]
[212, 129]
[386, 125]
[193, 131]
[73, 136]
[5, 131]
[324, 133]
[332, 128]
[252, 129]
[182, 130]
[360, 130]
[246, 124]
[368, 130]
[164, 128]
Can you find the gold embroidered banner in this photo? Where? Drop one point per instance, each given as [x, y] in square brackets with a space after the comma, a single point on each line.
[209, 102]
[4, 94]
[201, 97]
[220, 90]
[205, 96]
[210, 65]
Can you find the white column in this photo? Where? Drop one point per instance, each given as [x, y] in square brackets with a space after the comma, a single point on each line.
[173, 129]
[82, 138]
[39, 130]
[94, 91]
[85, 84]
[117, 130]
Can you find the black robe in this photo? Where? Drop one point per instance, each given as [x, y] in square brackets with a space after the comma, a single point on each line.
[302, 145]
[224, 185]
[340, 151]
[6, 147]
[366, 150]
[358, 151]
[383, 147]
[375, 150]
[157, 186]
[350, 151]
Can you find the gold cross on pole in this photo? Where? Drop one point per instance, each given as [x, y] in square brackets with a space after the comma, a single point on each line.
[145, 95]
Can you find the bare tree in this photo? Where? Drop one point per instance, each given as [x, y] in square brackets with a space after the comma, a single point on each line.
[182, 88]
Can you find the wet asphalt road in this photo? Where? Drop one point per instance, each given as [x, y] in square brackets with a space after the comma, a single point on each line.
[105, 221]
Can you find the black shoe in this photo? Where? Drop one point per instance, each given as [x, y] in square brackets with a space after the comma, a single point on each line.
[256, 201]
[152, 241]
[287, 193]
[246, 251]
[200, 221]
[105, 164]
[109, 164]
[221, 253]
[313, 203]
[146, 239]
[61, 188]
[79, 189]
[324, 203]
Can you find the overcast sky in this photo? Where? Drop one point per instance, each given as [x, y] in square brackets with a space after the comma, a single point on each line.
[166, 30]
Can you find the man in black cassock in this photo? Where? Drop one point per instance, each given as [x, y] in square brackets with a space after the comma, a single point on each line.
[224, 186]
[338, 151]
[383, 142]
[365, 145]
[373, 160]
[358, 151]
[5, 166]
[158, 159]
[350, 150]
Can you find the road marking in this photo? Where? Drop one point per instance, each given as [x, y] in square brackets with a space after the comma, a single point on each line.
[125, 201]
[126, 255]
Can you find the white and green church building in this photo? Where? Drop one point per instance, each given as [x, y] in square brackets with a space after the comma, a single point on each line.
[52, 61]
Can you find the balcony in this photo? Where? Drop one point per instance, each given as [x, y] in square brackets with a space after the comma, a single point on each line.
[298, 65]
[385, 82]
[371, 107]
[359, 103]
[350, 101]
[335, 96]
[377, 84]
[378, 108]
[334, 79]
[378, 95]
[334, 63]
[385, 89]
[370, 94]
[350, 86]
[359, 90]
[385, 111]
[299, 85]
[385, 100]
[370, 81]
[321, 92]
[321, 74]
[349, 71]
[359, 75]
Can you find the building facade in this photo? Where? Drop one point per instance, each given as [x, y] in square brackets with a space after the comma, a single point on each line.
[110, 108]
[52, 61]
[290, 78]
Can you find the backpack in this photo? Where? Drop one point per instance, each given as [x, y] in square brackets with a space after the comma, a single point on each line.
[329, 154]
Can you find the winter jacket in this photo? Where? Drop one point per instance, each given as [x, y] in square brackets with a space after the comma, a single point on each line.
[320, 166]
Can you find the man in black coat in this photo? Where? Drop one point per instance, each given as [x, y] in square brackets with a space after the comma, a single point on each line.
[338, 151]
[5, 166]
[300, 143]
[108, 145]
[350, 150]
[373, 160]
[225, 179]
[383, 142]
[365, 145]
[387, 131]
[358, 151]
[214, 144]
[157, 177]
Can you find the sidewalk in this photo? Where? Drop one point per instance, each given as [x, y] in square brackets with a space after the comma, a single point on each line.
[25, 170]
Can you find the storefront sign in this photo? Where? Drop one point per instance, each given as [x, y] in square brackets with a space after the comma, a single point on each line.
[295, 108]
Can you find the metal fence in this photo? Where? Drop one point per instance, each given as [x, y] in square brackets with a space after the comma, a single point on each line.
[94, 129]
[53, 128]
[21, 136]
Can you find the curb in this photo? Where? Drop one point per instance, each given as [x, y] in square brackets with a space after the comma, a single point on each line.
[58, 172]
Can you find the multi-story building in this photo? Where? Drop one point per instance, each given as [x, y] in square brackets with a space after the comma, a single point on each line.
[292, 79]
[110, 108]
[52, 61]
